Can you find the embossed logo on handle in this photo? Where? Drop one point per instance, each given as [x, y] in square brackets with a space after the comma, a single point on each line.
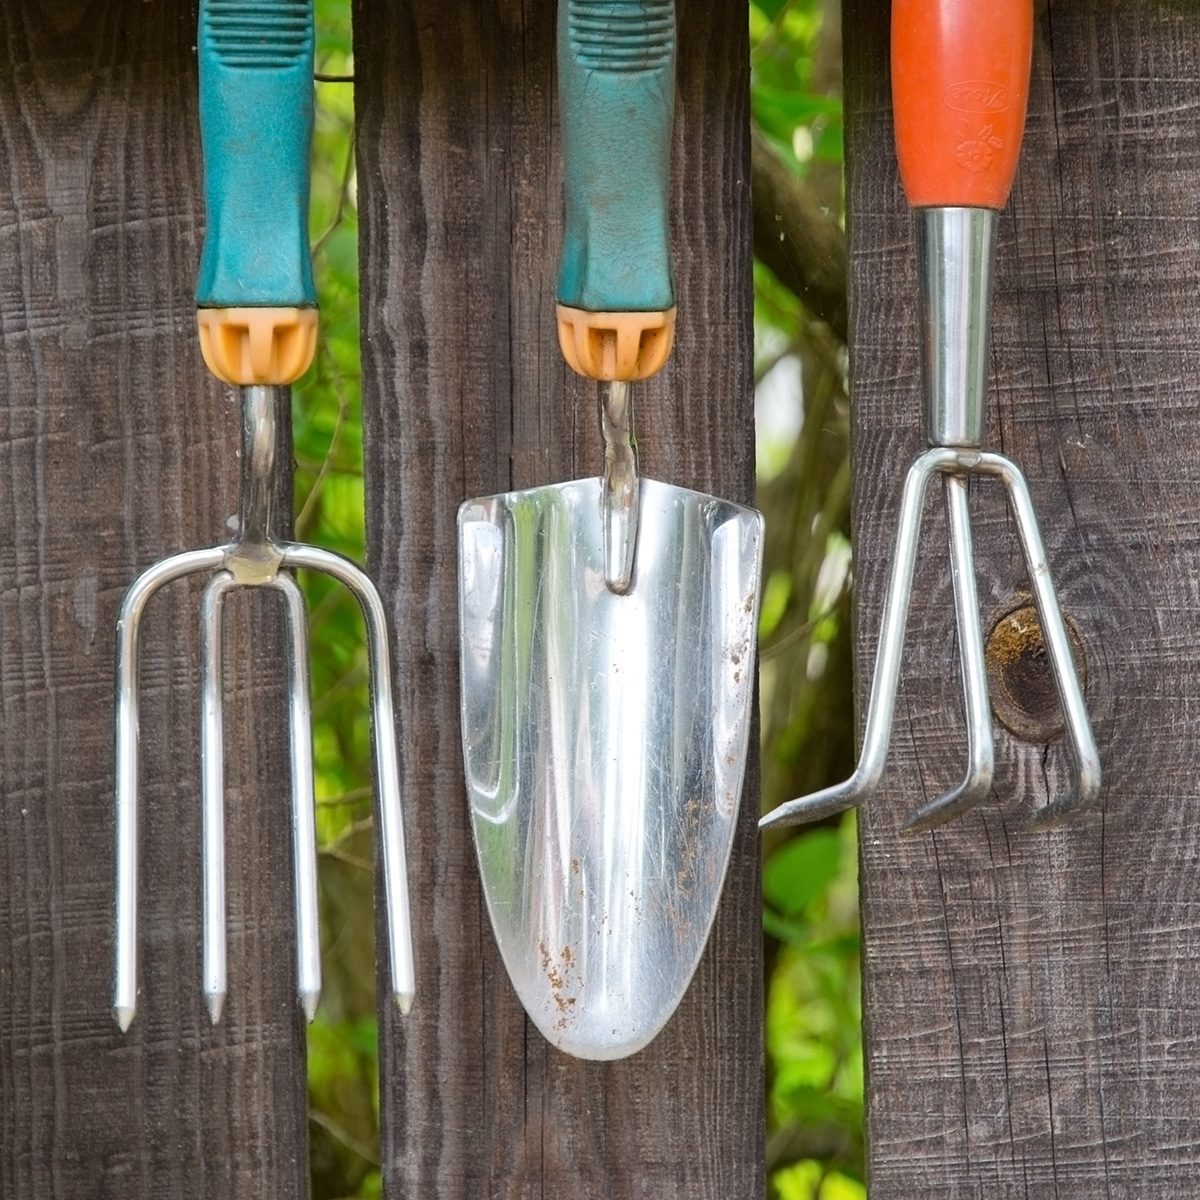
[977, 96]
[976, 147]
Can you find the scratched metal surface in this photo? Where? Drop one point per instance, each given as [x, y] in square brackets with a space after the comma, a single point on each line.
[466, 395]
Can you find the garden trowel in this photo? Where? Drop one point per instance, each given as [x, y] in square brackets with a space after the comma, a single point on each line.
[608, 624]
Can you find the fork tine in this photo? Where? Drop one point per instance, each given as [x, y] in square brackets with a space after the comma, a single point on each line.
[212, 775]
[304, 828]
[387, 769]
[126, 768]
[977, 782]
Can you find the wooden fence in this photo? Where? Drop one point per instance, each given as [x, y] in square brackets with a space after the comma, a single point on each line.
[1033, 1001]
[116, 449]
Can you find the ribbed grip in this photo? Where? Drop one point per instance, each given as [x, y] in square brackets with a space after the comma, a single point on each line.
[258, 36]
[616, 61]
[960, 84]
[622, 35]
[256, 114]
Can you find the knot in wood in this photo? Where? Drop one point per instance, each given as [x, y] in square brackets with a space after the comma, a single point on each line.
[1021, 683]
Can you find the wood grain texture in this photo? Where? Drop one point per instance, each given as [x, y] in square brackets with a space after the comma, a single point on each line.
[466, 395]
[1033, 1000]
[116, 449]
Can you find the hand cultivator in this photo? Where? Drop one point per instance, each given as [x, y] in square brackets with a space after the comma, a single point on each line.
[960, 80]
[257, 321]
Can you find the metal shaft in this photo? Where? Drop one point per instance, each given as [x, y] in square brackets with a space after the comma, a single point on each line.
[619, 491]
[956, 251]
[253, 556]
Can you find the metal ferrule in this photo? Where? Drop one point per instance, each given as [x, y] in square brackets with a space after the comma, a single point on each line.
[955, 257]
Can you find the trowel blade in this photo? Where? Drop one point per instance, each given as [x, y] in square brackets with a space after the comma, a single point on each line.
[605, 740]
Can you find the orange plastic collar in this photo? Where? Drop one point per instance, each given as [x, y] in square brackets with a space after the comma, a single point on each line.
[615, 345]
[248, 346]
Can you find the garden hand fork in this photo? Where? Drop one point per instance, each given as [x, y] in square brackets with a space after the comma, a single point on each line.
[258, 325]
[960, 81]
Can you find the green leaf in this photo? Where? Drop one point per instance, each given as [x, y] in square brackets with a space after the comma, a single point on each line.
[801, 108]
[800, 871]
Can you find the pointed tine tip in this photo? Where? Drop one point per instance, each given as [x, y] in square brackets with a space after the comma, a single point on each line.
[1053, 814]
[404, 1002]
[123, 1017]
[1078, 802]
[955, 803]
[932, 816]
[1081, 800]
[216, 1003]
[309, 1001]
[919, 822]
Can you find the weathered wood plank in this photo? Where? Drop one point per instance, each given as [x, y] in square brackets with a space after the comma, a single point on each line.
[116, 449]
[1032, 1000]
[465, 394]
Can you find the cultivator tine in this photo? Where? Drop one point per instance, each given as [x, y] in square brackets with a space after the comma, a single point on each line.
[881, 706]
[1085, 789]
[977, 782]
[304, 819]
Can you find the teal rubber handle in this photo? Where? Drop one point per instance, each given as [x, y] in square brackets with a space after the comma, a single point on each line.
[256, 118]
[616, 79]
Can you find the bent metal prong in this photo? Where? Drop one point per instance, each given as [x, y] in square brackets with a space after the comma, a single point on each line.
[960, 83]
[955, 261]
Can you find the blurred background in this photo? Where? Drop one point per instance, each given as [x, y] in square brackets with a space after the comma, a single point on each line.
[810, 914]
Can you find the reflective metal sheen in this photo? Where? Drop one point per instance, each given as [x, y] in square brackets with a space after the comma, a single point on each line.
[257, 557]
[955, 266]
[868, 773]
[605, 739]
[620, 484]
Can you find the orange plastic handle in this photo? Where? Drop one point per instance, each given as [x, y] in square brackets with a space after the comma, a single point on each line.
[960, 83]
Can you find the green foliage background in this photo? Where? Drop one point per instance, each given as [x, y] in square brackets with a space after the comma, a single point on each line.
[815, 1091]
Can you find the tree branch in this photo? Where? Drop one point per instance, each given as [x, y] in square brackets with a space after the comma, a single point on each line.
[796, 238]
